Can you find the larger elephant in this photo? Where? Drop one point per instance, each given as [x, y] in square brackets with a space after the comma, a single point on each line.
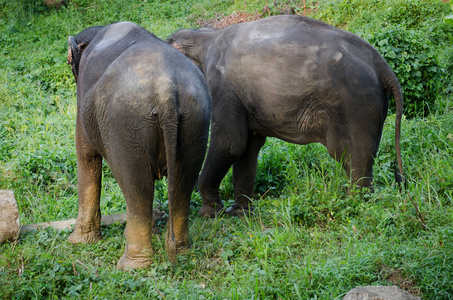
[145, 108]
[294, 78]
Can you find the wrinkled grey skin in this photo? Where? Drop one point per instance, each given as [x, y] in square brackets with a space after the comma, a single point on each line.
[296, 79]
[145, 108]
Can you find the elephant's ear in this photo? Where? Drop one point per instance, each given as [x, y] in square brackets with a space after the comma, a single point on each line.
[179, 47]
[175, 44]
[74, 54]
[72, 50]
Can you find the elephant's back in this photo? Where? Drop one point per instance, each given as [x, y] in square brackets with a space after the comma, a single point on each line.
[283, 57]
[139, 84]
[110, 43]
[148, 74]
[286, 67]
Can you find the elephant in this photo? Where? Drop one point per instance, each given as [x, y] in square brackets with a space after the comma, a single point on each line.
[144, 108]
[296, 79]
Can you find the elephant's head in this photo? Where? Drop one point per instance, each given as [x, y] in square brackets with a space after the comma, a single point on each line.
[77, 45]
[193, 43]
[183, 39]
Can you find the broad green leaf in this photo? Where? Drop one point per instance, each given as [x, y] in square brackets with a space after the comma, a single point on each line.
[449, 19]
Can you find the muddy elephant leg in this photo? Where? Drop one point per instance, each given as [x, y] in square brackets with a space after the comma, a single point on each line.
[89, 174]
[180, 214]
[134, 176]
[138, 250]
[244, 175]
[228, 142]
[186, 174]
[193, 135]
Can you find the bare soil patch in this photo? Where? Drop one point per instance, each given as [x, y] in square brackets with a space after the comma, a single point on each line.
[220, 20]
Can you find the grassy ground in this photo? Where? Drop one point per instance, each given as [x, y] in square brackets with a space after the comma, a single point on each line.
[306, 239]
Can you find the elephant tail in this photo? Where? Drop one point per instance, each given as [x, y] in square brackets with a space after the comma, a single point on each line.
[392, 84]
[169, 123]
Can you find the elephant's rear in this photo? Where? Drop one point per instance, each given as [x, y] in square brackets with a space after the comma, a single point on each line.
[340, 81]
[184, 122]
[147, 113]
[301, 77]
[145, 91]
[169, 115]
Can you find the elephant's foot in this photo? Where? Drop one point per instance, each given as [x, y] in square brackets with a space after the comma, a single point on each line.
[135, 257]
[174, 247]
[84, 236]
[183, 246]
[209, 211]
[239, 211]
[126, 262]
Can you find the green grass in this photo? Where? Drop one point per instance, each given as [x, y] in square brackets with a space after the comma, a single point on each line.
[307, 237]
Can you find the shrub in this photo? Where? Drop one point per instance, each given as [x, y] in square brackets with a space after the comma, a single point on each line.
[367, 15]
[449, 18]
[410, 55]
[413, 13]
[22, 10]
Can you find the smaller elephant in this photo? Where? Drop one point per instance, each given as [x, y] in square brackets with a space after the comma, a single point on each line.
[144, 108]
[294, 78]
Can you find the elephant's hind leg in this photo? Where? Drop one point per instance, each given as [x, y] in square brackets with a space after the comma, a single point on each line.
[186, 174]
[188, 165]
[228, 143]
[244, 175]
[89, 173]
[357, 157]
[134, 176]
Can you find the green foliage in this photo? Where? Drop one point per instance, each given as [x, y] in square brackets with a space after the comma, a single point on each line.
[280, 167]
[449, 19]
[21, 10]
[308, 237]
[413, 13]
[411, 37]
[366, 16]
[409, 53]
[265, 256]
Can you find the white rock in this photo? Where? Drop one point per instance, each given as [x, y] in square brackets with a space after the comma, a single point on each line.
[379, 293]
[9, 217]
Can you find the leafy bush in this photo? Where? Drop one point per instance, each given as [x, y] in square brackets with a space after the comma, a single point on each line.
[409, 53]
[48, 167]
[21, 10]
[412, 13]
[367, 16]
[410, 34]
[442, 35]
[449, 19]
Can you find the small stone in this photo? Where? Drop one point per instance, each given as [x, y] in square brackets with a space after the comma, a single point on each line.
[9, 217]
[379, 293]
